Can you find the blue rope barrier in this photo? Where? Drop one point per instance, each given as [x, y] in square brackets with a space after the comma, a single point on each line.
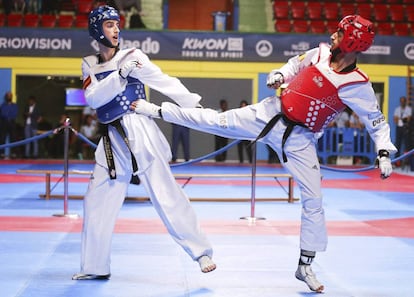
[371, 167]
[368, 167]
[212, 154]
[27, 140]
[84, 138]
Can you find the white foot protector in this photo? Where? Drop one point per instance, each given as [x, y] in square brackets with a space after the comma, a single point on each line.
[305, 274]
[206, 264]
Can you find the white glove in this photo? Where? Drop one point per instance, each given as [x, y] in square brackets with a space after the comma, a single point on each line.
[128, 67]
[383, 162]
[274, 79]
[146, 108]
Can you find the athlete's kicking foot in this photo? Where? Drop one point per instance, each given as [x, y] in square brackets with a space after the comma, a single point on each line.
[305, 274]
[206, 264]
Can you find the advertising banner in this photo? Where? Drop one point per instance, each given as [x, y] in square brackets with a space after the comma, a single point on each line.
[197, 46]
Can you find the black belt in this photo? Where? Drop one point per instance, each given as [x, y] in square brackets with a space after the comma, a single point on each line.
[289, 128]
[109, 155]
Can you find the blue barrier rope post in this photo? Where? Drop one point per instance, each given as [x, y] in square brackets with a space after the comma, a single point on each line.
[252, 217]
[66, 170]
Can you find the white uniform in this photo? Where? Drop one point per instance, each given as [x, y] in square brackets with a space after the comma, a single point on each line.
[105, 196]
[300, 148]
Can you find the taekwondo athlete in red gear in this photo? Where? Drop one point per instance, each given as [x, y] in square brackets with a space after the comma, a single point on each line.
[132, 149]
[321, 83]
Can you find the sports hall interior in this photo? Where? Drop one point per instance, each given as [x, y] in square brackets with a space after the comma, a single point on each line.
[250, 212]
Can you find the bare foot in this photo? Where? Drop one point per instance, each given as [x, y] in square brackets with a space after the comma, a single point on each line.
[206, 264]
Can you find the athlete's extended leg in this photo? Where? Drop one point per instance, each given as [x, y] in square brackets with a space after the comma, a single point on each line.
[239, 123]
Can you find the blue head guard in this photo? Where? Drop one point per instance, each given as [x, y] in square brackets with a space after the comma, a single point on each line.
[96, 19]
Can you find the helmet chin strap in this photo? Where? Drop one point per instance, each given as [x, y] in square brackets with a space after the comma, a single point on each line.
[111, 45]
[107, 43]
[335, 52]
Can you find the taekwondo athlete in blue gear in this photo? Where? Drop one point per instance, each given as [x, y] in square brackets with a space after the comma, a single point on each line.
[132, 145]
[321, 82]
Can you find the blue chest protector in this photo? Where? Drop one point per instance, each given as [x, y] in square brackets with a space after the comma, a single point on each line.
[119, 105]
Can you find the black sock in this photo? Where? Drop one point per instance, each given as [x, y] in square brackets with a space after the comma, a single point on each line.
[306, 257]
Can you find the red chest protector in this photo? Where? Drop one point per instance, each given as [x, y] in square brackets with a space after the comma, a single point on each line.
[312, 97]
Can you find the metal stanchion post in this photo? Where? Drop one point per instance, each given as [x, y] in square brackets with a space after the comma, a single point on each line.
[252, 217]
[65, 170]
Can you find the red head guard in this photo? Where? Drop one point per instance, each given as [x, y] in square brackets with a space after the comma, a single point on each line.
[358, 34]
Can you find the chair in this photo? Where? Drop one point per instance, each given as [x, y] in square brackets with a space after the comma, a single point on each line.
[81, 21]
[300, 26]
[330, 10]
[402, 29]
[347, 9]
[384, 28]
[2, 19]
[65, 21]
[314, 10]
[298, 9]
[364, 10]
[122, 21]
[31, 20]
[48, 20]
[409, 9]
[331, 26]
[14, 20]
[281, 9]
[67, 5]
[317, 27]
[380, 12]
[83, 7]
[283, 25]
[397, 13]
